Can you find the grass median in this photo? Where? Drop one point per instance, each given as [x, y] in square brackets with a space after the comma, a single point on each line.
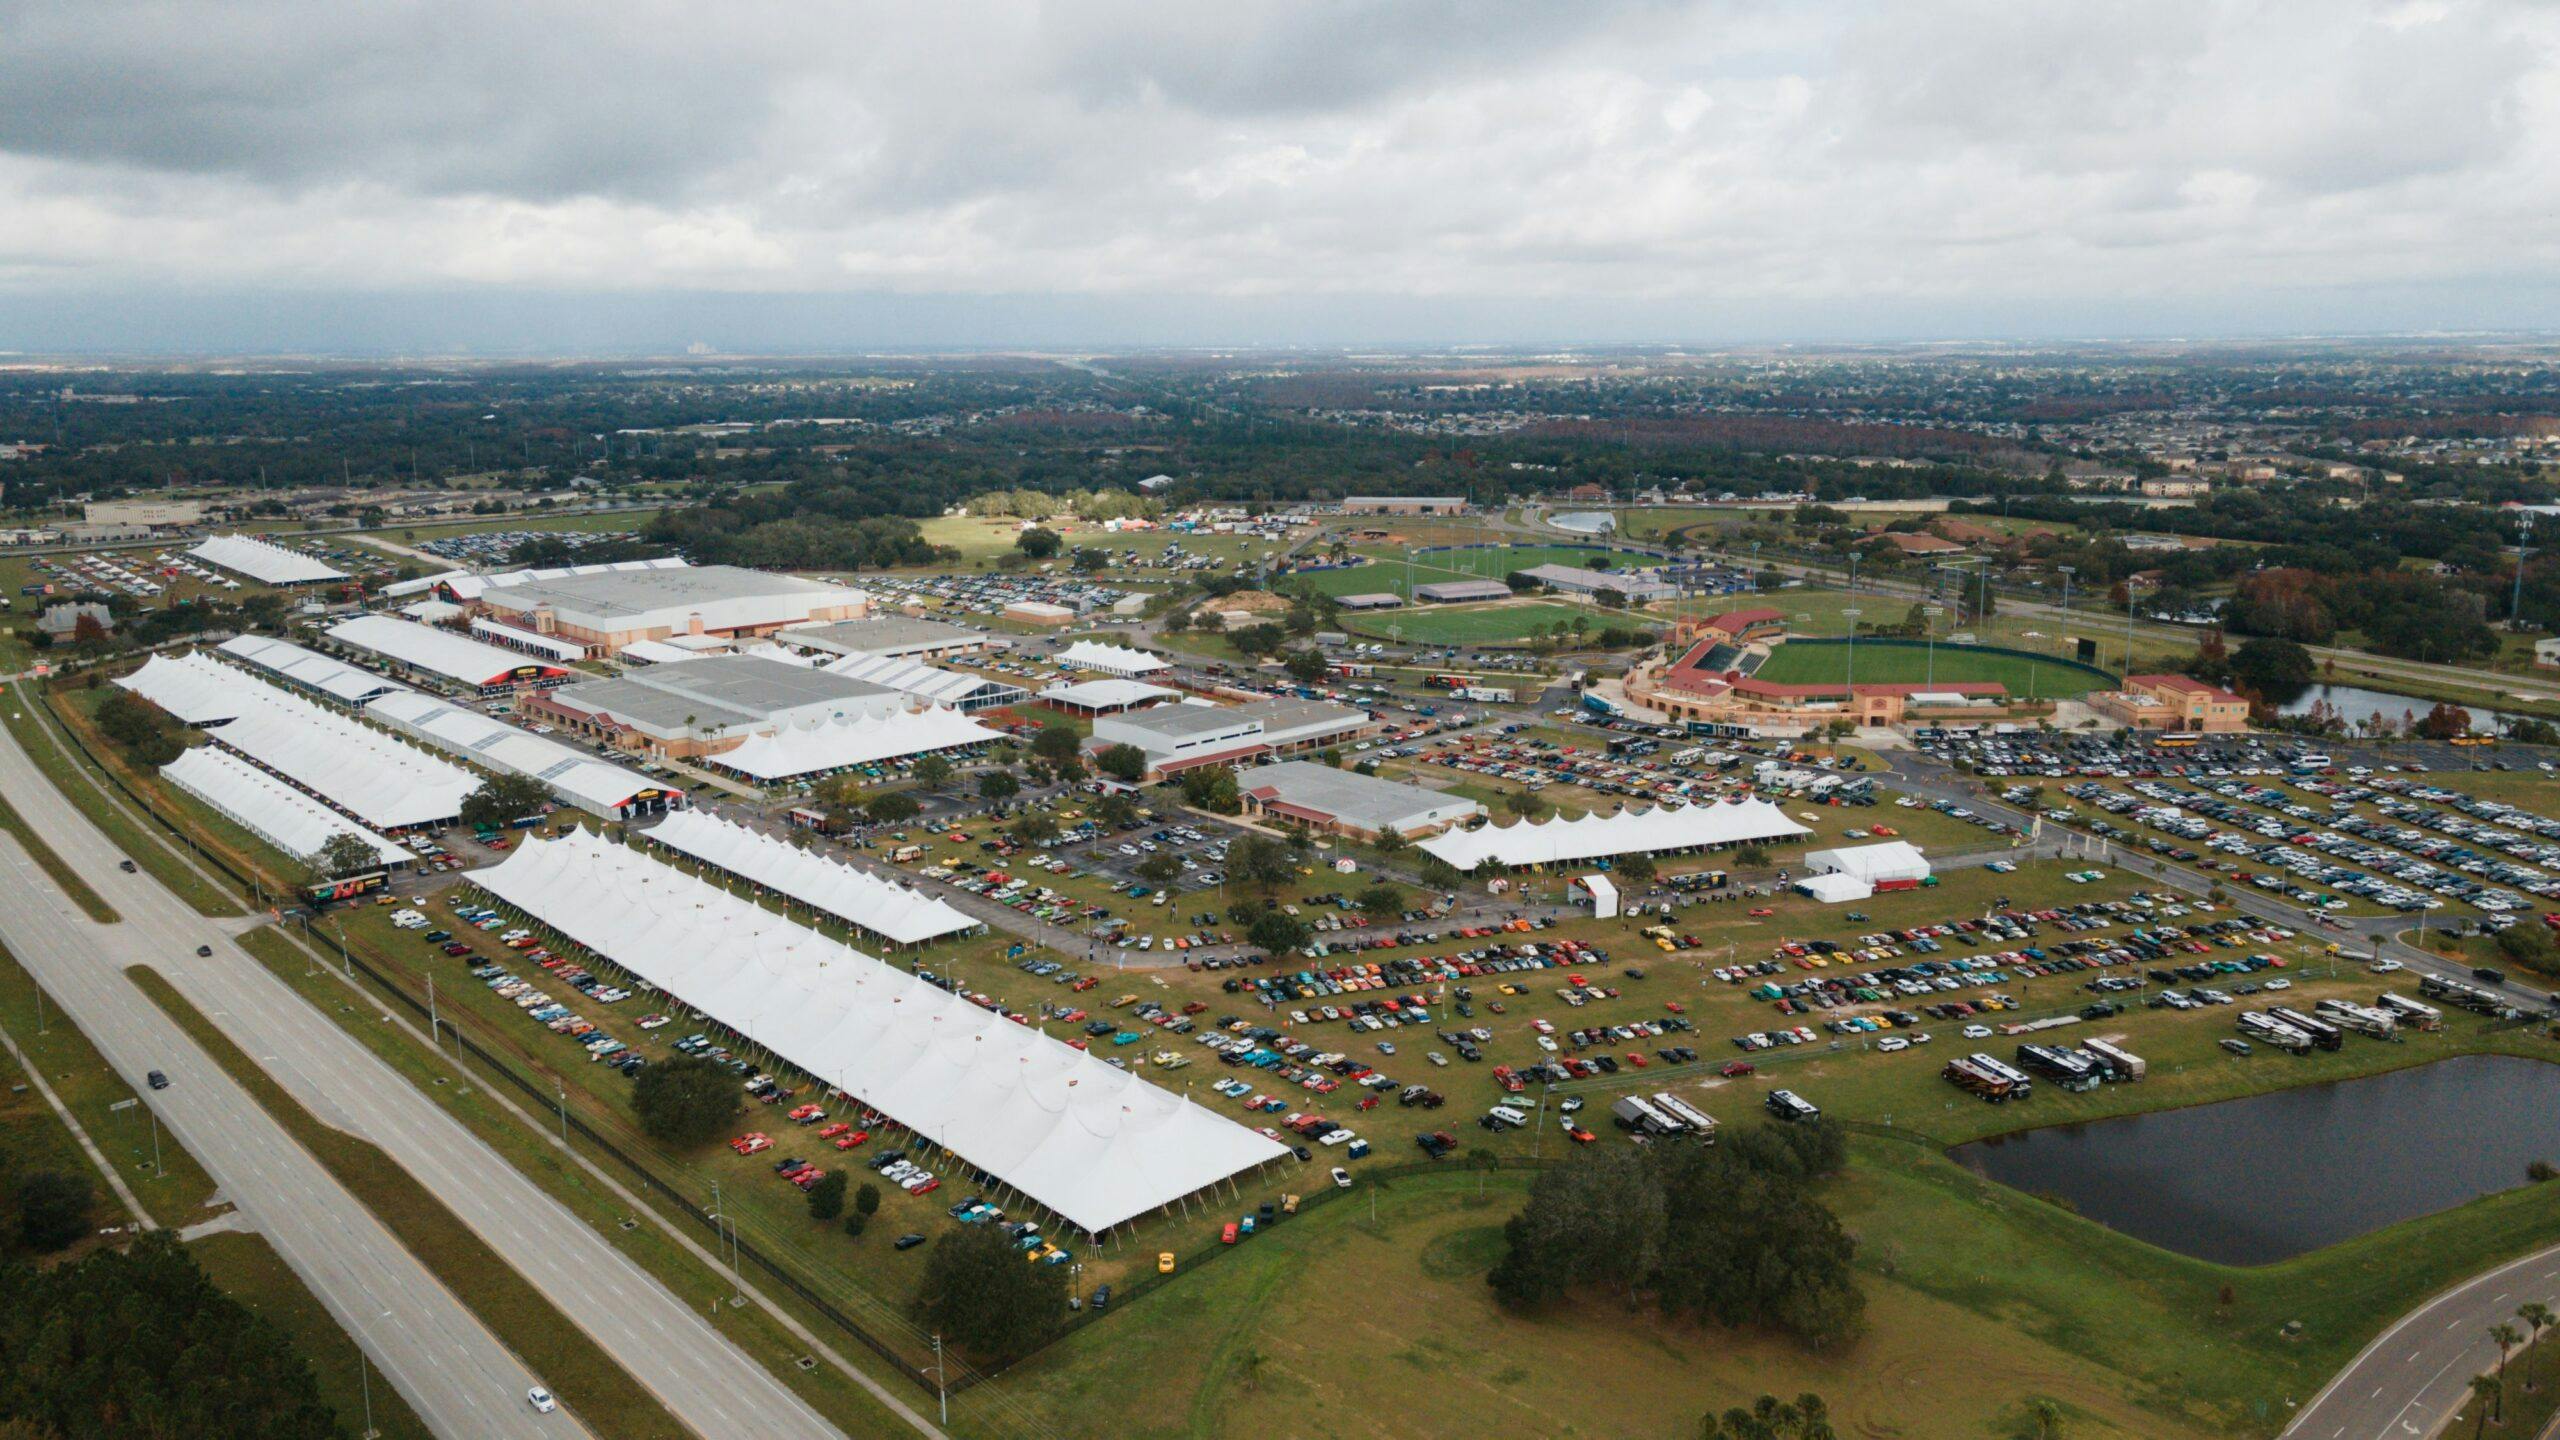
[524, 1321]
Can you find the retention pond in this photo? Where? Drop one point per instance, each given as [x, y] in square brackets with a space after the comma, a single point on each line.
[2260, 1179]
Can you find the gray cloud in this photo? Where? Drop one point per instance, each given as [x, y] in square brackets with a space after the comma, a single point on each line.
[1625, 156]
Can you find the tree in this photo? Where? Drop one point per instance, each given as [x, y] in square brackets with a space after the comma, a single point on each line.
[2488, 1395]
[502, 800]
[1124, 763]
[1037, 543]
[998, 784]
[1381, 899]
[344, 853]
[1277, 931]
[980, 1296]
[53, 1209]
[866, 1200]
[1260, 863]
[932, 772]
[826, 1198]
[684, 1101]
[892, 807]
[1056, 744]
[1304, 666]
[140, 1341]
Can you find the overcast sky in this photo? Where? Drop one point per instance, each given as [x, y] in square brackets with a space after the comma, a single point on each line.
[515, 174]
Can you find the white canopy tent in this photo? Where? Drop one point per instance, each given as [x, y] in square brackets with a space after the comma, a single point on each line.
[1109, 659]
[1093, 1143]
[194, 689]
[1558, 841]
[1893, 860]
[269, 808]
[857, 897]
[267, 564]
[1834, 888]
[834, 744]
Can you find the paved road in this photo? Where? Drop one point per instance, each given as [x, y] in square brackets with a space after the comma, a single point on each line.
[2414, 1374]
[708, 1383]
[450, 1369]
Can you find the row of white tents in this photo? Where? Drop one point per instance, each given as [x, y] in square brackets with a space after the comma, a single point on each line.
[1093, 1143]
[857, 897]
[1559, 841]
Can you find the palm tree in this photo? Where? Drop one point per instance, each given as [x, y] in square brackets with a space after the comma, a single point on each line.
[2506, 1335]
[2537, 1315]
[2485, 1392]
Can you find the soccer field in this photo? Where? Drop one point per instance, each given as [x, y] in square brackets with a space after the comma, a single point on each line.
[1800, 663]
[1482, 625]
[1386, 571]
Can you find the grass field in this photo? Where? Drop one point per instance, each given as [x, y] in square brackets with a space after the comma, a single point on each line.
[1497, 624]
[1886, 664]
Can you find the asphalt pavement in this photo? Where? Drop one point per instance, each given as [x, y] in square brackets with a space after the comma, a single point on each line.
[456, 1375]
[709, 1384]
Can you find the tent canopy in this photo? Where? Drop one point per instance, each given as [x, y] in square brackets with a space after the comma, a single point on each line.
[856, 897]
[1590, 837]
[834, 744]
[1096, 1144]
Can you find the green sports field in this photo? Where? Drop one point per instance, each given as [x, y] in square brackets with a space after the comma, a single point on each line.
[1386, 572]
[1472, 625]
[1816, 664]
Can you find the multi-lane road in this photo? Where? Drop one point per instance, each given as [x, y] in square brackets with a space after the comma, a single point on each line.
[453, 1373]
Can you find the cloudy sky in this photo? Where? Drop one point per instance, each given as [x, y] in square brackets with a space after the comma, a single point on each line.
[539, 174]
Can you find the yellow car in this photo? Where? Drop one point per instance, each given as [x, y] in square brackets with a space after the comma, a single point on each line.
[1164, 1262]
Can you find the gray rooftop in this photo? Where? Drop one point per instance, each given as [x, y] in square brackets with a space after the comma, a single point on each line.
[880, 634]
[716, 691]
[1363, 802]
[631, 592]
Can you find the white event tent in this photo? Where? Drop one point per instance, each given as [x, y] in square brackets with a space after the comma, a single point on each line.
[833, 744]
[269, 808]
[1109, 659]
[1559, 841]
[267, 564]
[1093, 1143]
[857, 897]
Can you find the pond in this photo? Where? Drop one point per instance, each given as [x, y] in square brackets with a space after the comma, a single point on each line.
[2354, 704]
[2260, 1179]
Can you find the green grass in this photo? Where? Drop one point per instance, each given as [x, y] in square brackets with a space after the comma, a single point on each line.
[1469, 625]
[250, 1271]
[519, 1315]
[1899, 664]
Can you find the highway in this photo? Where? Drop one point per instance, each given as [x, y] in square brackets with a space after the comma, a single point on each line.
[456, 1375]
[706, 1382]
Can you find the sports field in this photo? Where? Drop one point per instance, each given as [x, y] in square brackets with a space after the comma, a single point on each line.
[1386, 572]
[1468, 625]
[1802, 663]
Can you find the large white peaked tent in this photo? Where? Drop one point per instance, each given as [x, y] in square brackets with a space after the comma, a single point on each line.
[856, 897]
[269, 808]
[1559, 841]
[833, 744]
[1095, 1144]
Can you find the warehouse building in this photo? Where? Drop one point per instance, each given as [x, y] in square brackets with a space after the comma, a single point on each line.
[897, 635]
[409, 648]
[1446, 592]
[1176, 738]
[688, 708]
[1350, 803]
[605, 610]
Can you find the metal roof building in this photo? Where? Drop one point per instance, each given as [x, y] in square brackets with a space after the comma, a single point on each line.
[442, 653]
[1328, 798]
